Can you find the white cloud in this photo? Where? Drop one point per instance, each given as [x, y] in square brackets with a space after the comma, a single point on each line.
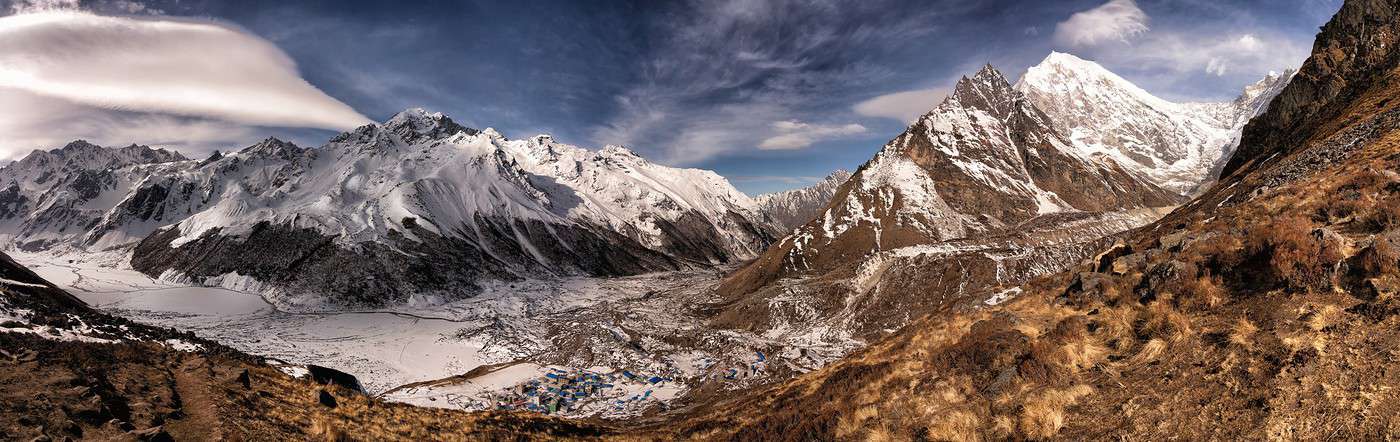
[1117, 20]
[794, 134]
[162, 65]
[904, 106]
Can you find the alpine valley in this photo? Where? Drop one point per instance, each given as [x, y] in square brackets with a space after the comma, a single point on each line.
[1063, 256]
[530, 255]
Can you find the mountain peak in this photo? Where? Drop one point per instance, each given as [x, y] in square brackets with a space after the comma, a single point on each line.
[415, 125]
[1069, 66]
[987, 76]
[616, 151]
[79, 145]
[1062, 72]
[1065, 58]
[987, 90]
[272, 146]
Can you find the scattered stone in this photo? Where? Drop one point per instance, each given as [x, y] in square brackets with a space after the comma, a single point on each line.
[245, 380]
[1173, 242]
[153, 434]
[323, 375]
[327, 399]
[1104, 261]
[1127, 263]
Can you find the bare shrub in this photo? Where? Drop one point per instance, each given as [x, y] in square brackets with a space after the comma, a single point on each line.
[1299, 257]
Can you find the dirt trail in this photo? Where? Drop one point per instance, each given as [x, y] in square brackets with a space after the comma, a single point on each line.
[200, 399]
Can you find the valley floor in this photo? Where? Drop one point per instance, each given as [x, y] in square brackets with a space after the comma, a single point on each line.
[638, 338]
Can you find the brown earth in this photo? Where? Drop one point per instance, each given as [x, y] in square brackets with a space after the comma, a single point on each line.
[132, 391]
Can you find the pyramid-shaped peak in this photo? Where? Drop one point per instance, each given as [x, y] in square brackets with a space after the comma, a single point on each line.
[987, 90]
[1057, 57]
[986, 80]
[989, 73]
[1069, 65]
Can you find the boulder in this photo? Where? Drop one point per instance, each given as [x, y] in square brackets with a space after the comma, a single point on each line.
[1104, 260]
[330, 376]
[327, 400]
[245, 380]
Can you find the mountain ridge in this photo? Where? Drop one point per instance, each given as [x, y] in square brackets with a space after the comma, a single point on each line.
[397, 199]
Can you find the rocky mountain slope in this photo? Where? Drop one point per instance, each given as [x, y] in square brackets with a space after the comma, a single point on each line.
[53, 197]
[983, 174]
[790, 209]
[1267, 305]
[380, 214]
[1176, 146]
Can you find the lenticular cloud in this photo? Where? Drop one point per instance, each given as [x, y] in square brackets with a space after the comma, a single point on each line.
[163, 65]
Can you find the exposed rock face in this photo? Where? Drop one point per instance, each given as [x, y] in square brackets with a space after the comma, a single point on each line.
[417, 206]
[53, 197]
[791, 209]
[1351, 54]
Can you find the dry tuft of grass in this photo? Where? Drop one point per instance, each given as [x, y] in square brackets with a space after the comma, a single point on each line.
[1151, 351]
[1043, 416]
[1300, 256]
[1082, 355]
[957, 426]
[1242, 333]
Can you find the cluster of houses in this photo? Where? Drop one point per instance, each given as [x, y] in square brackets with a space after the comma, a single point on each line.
[561, 390]
[570, 391]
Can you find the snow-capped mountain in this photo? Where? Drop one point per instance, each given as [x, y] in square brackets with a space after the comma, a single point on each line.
[983, 161]
[1177, 146]
[789, 209]
[418, 207]
[51, 197]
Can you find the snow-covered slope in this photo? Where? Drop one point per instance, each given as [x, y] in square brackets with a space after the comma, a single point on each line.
[416, 208]
[984, 160]
[789, 209]
[1178, 146]
[52, 197]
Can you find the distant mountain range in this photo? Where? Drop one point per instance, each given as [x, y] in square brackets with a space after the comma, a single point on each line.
[790, 209]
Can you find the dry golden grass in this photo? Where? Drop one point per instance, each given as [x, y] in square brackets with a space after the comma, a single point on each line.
[956, 426]
[1242, 333]
[1043, 415]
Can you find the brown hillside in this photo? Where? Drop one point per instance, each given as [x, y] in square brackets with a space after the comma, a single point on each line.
[1267, 310]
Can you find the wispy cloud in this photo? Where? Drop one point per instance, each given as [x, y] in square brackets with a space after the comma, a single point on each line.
[1117, 20]
[905, 106]
[720, 72]
[793, 134]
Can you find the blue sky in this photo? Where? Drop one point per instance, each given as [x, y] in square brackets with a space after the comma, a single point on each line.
[771, 94]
